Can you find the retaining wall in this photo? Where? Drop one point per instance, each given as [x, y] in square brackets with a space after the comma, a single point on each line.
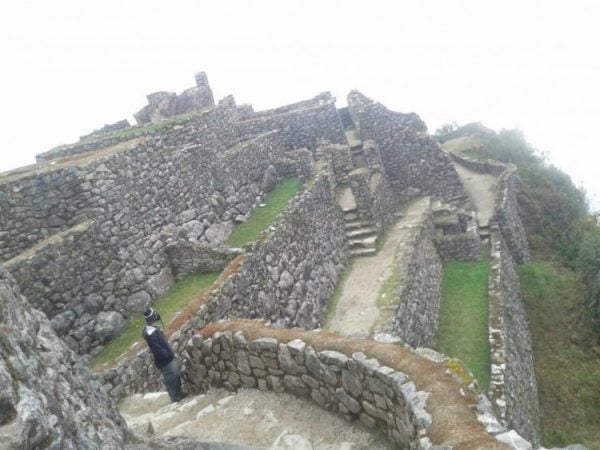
[299, 128]
[419, 289]
[287, 277]
[513, 388]
[138, 199]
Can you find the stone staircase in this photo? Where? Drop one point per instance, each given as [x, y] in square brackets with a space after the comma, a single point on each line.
[361, 234]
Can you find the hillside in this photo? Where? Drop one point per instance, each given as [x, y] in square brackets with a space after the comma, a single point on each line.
[560, 288]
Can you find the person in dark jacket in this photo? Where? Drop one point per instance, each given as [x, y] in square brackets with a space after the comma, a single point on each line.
[164, 359]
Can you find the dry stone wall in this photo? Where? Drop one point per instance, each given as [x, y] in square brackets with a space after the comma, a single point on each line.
[419, 291]
[90, 280]
[357, 387]
[299, 128]
[287, 277]
[513, 388]
[411, 159]
[48, 398]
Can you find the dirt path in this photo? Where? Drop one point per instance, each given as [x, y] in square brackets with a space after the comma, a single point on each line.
[356, 311]
[249, 417]
[480, 188]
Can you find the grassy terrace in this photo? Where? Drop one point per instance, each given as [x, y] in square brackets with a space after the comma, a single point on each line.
[568, 374]
[463, 331]
[262, 218]
[184, 291]
[180, 294]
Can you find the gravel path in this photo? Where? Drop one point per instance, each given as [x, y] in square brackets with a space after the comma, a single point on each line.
[480, 188]
[356, 311]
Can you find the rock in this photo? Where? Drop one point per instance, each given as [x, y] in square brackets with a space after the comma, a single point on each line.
[270, 179]
[218, 233]
[48, 398]
[159, 284]
[514, 440]
[62, 323]
[204, 411]
[108, 324]
[138, 302]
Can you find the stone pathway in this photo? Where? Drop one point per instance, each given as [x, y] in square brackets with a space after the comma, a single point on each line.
[480, 188]
[356, 311]
[249, 418]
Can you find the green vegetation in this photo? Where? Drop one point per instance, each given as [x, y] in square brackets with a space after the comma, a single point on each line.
[179, 295]
[463, 329]
[261, 218]
[561, 289]
[568, 375]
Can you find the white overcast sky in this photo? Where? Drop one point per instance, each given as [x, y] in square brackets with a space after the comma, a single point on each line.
[69, 67]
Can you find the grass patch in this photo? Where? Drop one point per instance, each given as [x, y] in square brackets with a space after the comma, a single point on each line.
[179, 295]
[335, 298]
[463, 330]
[568, 375]
[261, 218]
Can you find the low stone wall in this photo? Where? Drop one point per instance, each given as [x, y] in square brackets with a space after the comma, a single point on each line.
[513, 388]
[491, 167]
[317, 100]
[187, 257]
[411, 160]
[298, 162]
[459, 247]
[357, 387]
[419, 290]
[300, 128]
[138, 199]
[340, 158]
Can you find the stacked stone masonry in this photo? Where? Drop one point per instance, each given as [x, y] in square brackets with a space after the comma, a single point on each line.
[357, 387]
[412, 160]
[288, 277]
[112, 269]
[513, 388]
[418, 293]
[299, 128]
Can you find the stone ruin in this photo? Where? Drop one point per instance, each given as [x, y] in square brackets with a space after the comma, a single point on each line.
[97, 230]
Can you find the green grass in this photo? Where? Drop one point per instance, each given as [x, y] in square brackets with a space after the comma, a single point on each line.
[179, 295]
[568, 374]
[463, 330]
[261, 218]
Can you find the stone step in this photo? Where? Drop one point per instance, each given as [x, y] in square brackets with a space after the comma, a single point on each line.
[363, 252]
[350, 214]
[368, 242]
[357, 223]
[358, 232]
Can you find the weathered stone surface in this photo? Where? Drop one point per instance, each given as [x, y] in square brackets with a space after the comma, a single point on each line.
[48, 398]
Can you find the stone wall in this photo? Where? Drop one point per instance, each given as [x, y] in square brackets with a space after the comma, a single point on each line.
[299, 128]
[298, 162]
[209, 127]
[506, 213]
[411, 160]
[287, 278]
[418, 294]
[187, 257]
[357, 387]
[513, 388]
[507, 216]
[459, 247]
[92, 278]
[317, 100]
[48, 398]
